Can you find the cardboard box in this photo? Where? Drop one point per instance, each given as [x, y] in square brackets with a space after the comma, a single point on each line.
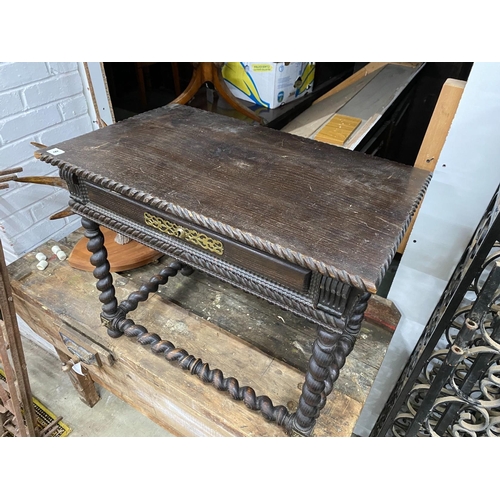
[269, 84]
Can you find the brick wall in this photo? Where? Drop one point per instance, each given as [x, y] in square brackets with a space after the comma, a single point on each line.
[42, 102]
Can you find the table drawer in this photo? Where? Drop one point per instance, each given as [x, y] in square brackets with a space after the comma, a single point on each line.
[268, 266]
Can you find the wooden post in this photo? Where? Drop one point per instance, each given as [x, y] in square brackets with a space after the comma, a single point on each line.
[83, 384]
[436, 134]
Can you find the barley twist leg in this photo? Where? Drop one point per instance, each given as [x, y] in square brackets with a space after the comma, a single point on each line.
[99, 260]
[329, 354]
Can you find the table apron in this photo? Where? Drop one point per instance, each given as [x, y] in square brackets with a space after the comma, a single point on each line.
[285, 273]
[303, 304]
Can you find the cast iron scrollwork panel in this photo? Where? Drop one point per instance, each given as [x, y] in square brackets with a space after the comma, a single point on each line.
[451, 383]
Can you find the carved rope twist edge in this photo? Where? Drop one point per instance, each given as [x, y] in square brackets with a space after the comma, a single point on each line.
[399, 239]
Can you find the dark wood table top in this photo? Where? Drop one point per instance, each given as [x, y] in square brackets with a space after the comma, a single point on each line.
[327, 208]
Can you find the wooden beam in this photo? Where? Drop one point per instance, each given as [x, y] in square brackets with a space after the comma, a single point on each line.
[364, 71]
[440, 123]
[83, 383]
[436, 134]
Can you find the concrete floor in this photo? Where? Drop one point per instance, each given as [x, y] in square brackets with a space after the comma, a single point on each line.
[110, 417]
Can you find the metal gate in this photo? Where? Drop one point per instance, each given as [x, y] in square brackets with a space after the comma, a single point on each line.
[451, 383]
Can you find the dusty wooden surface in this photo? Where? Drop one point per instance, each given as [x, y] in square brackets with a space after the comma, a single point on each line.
[342, 209]
[259, 344]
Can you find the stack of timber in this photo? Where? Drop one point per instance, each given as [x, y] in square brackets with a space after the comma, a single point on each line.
[349, 111]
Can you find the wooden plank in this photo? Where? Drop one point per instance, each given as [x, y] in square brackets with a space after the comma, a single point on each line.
[382, 312]
[439, 124]
[363, 72]
[380, 93]
[169, 396]
[371, 102]
[338, 129]
[314, 117]
[435, 136]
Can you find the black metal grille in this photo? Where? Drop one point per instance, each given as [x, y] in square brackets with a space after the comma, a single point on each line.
[451, 383]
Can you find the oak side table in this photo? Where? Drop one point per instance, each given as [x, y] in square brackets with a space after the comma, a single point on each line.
[307, 226]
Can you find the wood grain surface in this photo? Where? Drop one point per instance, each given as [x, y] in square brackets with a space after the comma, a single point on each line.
[342, 208]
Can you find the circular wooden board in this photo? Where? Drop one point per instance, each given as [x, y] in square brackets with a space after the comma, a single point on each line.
[121, 257]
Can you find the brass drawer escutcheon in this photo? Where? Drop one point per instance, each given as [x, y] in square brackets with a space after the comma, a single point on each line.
[189, 235]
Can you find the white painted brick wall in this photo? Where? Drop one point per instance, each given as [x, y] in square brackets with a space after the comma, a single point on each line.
[53, 89]
[73, 107]
[10, 103]
[27, 123]
[17, 151]
[41, 102]
[65, 131]
[56, 68]
[15, 75]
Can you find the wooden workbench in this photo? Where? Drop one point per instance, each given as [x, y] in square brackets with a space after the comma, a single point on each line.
[209, 319]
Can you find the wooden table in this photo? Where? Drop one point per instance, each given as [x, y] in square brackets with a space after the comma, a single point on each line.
[309, 227]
